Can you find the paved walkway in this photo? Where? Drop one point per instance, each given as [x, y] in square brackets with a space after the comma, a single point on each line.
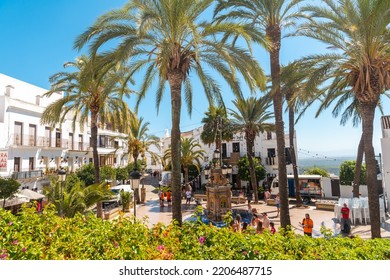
[156, 214]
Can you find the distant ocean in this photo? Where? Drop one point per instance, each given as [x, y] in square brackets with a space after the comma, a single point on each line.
[331, 164]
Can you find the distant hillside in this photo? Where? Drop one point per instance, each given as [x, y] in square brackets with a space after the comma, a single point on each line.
[332, 165]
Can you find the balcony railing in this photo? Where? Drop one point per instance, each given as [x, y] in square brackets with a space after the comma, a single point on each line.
[31, 141]
[27, 174]
[271, 161]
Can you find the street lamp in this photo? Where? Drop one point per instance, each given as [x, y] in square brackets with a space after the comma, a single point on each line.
[207, 171]
[62, 176]
[135, 177]
[216, 157]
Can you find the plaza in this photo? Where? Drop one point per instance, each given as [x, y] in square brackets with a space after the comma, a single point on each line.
[156, 214]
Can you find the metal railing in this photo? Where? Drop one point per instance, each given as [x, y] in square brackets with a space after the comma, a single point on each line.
[33, 141]
[27, 174]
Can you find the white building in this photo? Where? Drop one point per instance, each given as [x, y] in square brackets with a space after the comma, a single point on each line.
[29, 150]
[264, 149]
[385, 145]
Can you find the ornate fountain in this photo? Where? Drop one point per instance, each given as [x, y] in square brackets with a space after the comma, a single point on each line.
[218, 189]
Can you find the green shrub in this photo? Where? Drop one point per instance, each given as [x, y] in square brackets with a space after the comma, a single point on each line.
[30, 236]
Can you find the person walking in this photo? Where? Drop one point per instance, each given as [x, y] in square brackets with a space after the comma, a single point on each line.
[169, 198]
[267, 195]
[277, 204]
[162, 198]
[307, 225]
[345, 220]
[188, 197]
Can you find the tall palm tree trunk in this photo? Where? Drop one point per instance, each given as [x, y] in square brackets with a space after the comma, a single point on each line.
[175, 79]
[291, 133]
[135, 167]
[94, 136]
[274, 33]
[368, 112]
[252, 172]
[358, 168]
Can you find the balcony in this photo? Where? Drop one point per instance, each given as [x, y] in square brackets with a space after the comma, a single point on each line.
[271, 161]
[27, 174]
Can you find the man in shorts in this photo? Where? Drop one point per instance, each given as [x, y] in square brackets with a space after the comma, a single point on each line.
[188, 197]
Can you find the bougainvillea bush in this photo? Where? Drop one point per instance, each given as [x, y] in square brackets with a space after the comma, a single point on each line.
[45, 236]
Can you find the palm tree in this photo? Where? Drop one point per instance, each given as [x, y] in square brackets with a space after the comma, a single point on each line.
[346, 100]
[296, 94]
[358, 30]
[94, 92]
[139, 142]
[269, 17]
[170, 39]
[216, 127]
[251, 119]
[191, 154]
[77, 199]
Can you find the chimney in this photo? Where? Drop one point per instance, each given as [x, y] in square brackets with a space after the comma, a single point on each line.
[38, 100]
[8, 90]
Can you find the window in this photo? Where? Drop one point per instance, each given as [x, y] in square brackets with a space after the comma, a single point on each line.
[224, 150]
[81, 142]
[102, 141]
[58, 138]
[18, 133]
[32, 140]
[17, 164]
[47, 140]
[287, 155]
[236, 147]
[269, 135]
[31, 161]
[71, 146]
[271, 152]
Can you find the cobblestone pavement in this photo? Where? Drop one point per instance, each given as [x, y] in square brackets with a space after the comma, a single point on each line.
[155, 214]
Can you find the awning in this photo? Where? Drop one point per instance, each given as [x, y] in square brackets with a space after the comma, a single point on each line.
[77, 153]
[17, 200]
[51, 152]
[31, 194]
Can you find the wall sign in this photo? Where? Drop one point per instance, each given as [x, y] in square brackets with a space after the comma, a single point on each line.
[3, 159]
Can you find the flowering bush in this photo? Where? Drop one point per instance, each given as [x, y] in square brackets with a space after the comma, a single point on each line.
[31, 236]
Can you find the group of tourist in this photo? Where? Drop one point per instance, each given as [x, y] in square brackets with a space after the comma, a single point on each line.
[259, 223]
[165, 195]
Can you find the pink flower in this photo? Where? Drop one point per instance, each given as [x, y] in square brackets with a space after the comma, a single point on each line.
[160, 247]
[24, 249]
[244, 253]
[10, 223]
[3, 256]
[116, 244]
[15, 242]
[202, 239]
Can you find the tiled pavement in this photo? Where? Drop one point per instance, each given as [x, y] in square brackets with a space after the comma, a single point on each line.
[157, 214]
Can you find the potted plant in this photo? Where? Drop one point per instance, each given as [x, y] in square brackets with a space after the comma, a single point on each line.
[126, 198]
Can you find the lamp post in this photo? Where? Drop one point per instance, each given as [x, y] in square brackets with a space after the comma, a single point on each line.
[135, 178]
[62, 177]
[217, 158]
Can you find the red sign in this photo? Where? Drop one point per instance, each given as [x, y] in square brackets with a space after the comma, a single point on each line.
[3, 159]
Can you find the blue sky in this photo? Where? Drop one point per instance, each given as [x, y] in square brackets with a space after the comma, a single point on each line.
[37, 38]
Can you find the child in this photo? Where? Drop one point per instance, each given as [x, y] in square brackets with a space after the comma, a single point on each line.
[272, 225]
